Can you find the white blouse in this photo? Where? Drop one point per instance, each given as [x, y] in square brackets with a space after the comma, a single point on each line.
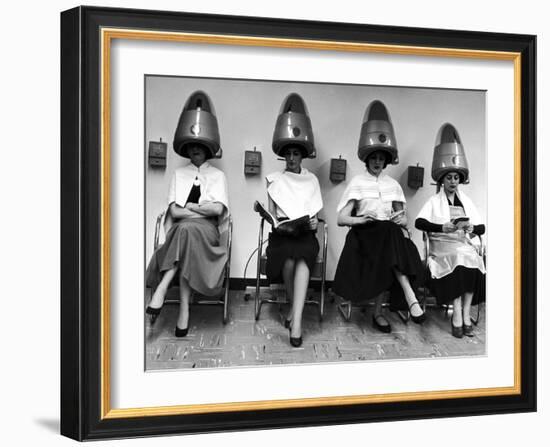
[374, 194]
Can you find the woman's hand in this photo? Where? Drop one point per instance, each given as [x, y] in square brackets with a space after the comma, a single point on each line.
[206, 209]
[468, 227]
[313, 222]
[449, 227]
[179, 212]
[369, 216]
[191, 206]
[400, 219]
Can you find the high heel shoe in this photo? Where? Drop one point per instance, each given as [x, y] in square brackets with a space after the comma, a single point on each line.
[287, 323]
[468, 330]
[420, 318]
[385, 328]
[153, 313]
[457, 331]
[181, 332]
[295, 342]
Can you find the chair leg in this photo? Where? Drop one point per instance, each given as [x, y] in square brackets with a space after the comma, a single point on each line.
[476, 319]
[343, 306]
[404, 315]
[322, 302]
[226, 300]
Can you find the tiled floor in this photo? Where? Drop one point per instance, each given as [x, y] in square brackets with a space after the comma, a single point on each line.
[244, 341]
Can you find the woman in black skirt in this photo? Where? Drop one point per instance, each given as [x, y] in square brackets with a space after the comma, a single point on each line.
[293, 193]
[377, 257]
[457, 271]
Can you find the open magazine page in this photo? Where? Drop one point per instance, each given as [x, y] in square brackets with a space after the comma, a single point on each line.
[288, 225]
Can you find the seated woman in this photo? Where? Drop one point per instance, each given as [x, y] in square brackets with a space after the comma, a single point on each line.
[377, 257]
[293, 193]
[457, 271]
[197, 213]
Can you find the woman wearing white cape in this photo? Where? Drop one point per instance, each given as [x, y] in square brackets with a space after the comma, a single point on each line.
[457, 271]
[197, 216]
[293, 193]
[377, 257]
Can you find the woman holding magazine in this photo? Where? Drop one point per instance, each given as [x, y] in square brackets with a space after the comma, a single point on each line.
[292, 194]
[457, 271]
[377, 257]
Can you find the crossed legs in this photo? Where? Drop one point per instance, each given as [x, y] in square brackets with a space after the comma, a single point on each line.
[157, 300]
[296, 279]
[410, 297]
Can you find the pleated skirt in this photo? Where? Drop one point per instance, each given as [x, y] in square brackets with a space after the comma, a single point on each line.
[193, 246]
[370, 255]
[283, 246]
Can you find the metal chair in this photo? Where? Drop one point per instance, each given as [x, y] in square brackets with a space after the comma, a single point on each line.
[319, 272]
[448, 307]
[225, 239]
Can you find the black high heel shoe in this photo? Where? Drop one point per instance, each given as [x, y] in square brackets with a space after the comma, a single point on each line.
[295, 342]
[385, 328]
[181, 332]
[420, 318]
[457, 331]
[153, 313]
[287, 323]
[468, 330]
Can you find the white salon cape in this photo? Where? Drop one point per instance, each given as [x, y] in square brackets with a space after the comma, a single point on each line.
[213, 186]
[374, 194]
[295, 195]
[449, 250]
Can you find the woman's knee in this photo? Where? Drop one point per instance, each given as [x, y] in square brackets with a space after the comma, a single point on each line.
[289, 263]
[301, 265]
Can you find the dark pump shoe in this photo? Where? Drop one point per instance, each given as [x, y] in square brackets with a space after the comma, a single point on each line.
[457, 331]
[468, 330]
[181, 332]
[287, 323]
[385, 328]
[420, 318]
[153, 313]
[295, 342]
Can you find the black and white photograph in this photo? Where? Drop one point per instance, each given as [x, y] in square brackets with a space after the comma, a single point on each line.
[301, 223]
[274, 223]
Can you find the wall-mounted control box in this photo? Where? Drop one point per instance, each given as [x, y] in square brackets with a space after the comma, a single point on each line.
[415, 177]
[157, 154]
[252, 162]
[337, 170]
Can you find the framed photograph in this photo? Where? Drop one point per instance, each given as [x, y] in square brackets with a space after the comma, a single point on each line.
[356, 204]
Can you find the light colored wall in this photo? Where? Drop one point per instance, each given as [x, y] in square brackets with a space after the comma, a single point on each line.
[247, 111]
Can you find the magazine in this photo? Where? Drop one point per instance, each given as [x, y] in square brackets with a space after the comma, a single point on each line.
[293, 226]
[458, 220]
[392, 216]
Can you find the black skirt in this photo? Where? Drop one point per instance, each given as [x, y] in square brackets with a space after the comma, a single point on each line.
[283, 246]
[460, 280]
[370, 255]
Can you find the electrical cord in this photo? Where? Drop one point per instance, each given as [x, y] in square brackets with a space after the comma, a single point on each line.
[247, 262]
